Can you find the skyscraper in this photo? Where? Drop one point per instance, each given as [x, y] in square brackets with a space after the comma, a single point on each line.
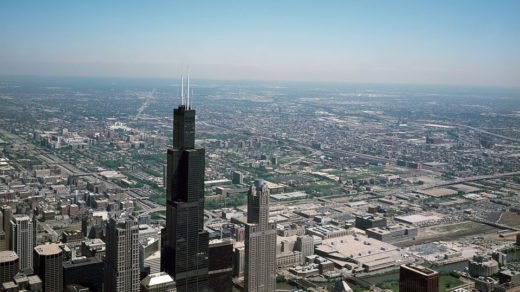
[185, 243]
[23, 238]
[48, 264]
[8, 265]
[6, 214]
[415, 278]
[260, 242]
[122, 256]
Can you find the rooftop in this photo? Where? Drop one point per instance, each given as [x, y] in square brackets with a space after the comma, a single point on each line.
[48, 249]
[8, 256]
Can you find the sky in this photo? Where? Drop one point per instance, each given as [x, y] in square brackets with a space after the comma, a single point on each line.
[459, 42]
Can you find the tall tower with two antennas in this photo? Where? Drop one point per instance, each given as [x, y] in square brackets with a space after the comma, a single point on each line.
[184, 252]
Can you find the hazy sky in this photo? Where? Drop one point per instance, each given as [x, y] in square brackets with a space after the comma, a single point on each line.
[440, 42]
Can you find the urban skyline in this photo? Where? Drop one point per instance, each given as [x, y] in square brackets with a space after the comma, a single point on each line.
[197, 146]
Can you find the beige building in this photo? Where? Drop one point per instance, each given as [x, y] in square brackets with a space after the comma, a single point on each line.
[260, 242]
[122, 256]
[23, 236]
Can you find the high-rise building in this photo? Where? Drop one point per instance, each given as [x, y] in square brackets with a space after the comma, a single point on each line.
[415, 278]
[4, 244]
[88, 272]
[9, 263]
[23, 238]
[158, 282]
[48, 264]
[5, 218]
[238, 177]
[220, 265]
[122, 256]
[260, 242]
[184, 253]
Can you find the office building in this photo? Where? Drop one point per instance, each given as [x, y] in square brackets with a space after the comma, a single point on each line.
[415, 278]
[122, 255]
[5, 228]
[184, 253]
[4, 242]
[48, 265]
[23, 238]
[158, 282]
[238, 178]
[88, 272]
[220, 272]
[260, 242]
[9, 263]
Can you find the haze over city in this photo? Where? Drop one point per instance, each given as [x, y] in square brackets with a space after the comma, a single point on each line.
[410, 42]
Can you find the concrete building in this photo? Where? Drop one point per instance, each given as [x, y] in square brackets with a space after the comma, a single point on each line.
[482, 265]
[150, 254]
[48, 265]
[393, 233]
[414, 278]
[5, 228]
[238, 178]
[9, 264]
[122, 256]
[93, 248]
[158, 282]
[260, 242]
[305, 245]
[365, 222]
[23, 238]
[328, 231]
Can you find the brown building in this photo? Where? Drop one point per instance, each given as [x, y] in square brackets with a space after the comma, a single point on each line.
[48, 264]
[415, 278]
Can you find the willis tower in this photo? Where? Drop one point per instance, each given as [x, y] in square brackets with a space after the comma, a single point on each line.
[184, 242]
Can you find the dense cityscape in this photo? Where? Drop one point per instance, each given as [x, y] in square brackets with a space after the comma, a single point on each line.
[153, 185]
[260, 146]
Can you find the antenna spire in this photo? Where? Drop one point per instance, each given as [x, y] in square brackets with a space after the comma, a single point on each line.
[182, 89]
[188, 103]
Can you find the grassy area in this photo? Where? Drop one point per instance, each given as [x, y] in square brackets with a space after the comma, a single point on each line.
[160, 199]
[229, 202]
[459, 226]
[157, 215]
[447, 282]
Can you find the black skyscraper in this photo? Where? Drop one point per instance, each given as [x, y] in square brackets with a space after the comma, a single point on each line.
[185, 243]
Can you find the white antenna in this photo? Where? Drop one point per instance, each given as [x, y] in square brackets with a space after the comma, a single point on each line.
[188, 103]
[182, 89]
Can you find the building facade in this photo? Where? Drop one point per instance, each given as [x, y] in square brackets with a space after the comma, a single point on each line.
[9, 263]
[220, 270]
[184, 253]
[414, 278]
[48, 264]
[260, 242]
[122, 256]
[23, 238]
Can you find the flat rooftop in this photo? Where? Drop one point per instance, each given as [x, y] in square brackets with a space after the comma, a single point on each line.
[48, 249]
[420, 269]
[8, 256]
